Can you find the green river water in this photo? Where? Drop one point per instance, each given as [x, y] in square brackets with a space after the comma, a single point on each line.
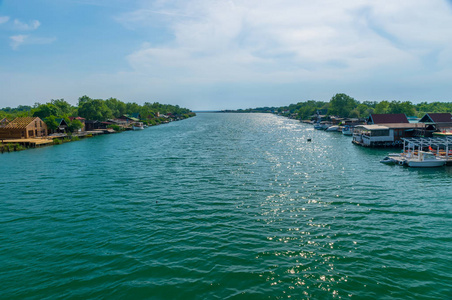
[222, 206]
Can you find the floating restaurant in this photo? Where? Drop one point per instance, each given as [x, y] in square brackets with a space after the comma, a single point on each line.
[387, 135]
[390, 130]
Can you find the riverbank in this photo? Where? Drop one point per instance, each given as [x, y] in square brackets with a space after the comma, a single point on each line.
[13, 145]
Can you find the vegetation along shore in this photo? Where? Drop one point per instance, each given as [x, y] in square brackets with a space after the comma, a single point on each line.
[58, 121]
[342, 105]
[416, 128]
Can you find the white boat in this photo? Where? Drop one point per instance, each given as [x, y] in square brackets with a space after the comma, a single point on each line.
[333, 128]
[347, 130]
[322, 125]
[137, 126]
[317, 126]
[425, 160]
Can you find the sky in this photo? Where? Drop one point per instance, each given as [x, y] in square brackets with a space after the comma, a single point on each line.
[220, 54]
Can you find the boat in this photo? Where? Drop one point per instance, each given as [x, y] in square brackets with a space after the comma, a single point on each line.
[137, 126]
[390, 159]
[425, 159]
[322, 125]
[317, 126]
[333, 128]
[347, 130]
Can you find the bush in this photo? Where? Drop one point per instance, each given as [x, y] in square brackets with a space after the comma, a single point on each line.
[18, 147]
[57, 141]
[115, 127]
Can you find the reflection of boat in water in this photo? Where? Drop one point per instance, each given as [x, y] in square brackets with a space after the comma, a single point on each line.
[347, 130]
[137, 126]
[425, 160]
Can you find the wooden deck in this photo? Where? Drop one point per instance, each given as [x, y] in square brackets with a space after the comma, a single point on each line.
[29, 142]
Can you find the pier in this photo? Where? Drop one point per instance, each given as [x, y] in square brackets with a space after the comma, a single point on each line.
[440, 146]
[33, 142]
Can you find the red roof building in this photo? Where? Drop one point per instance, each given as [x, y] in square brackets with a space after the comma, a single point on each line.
[387, 119]
[436, 118]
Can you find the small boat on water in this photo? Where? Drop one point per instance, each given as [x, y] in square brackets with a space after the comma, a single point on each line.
[334, 128]
[425, 160]
[137, 126]
[322, 125]
[390, 159]
[347, 130]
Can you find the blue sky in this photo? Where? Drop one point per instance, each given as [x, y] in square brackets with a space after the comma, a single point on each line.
[219, 54]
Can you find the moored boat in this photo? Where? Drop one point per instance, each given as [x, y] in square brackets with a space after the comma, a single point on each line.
[333, 128]
[425, 160]
[394, 158]
[347, 130]
[137, 126]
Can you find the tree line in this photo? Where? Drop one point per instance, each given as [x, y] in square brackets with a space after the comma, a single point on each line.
[343, 105]
[93, 109]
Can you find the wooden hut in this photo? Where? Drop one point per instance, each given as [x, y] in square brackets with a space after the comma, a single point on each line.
[24, 128]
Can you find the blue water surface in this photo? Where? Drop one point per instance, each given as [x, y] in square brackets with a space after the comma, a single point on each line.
[222, 206]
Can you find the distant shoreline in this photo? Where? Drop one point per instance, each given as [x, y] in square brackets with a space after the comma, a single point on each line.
[206, 111]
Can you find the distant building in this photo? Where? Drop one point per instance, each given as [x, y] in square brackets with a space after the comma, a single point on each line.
[128, 119]
[24, 128]
[386, 135]
[438, 121]
[437, 118]
[62, 125]
[387, 119]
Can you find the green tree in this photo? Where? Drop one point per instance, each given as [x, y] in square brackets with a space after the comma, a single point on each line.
[74, 125]
[63, 107]
[95, 110]
[117, 107]
[51, 122]
[45, 110]
[83, 99]
[382, 107]
[132, 108]
[354, 113]
[341, 105]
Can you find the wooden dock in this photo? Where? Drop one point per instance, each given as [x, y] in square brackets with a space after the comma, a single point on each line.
[29, 142]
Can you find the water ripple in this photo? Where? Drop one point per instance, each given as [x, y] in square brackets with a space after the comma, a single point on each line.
[222, 206]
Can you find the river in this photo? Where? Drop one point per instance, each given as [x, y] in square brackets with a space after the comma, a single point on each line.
[222, 206]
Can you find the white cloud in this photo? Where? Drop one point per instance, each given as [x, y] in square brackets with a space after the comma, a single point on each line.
[355, 44]
[233, 40]
[4, 19]
[32, 25]
[17, 40]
